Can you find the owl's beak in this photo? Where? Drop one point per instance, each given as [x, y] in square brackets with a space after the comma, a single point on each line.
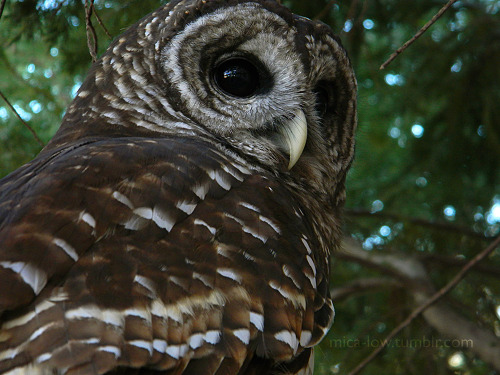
[294, 136]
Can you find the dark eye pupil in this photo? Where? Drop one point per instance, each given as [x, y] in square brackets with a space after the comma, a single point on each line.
[321, 100]
[237, 77]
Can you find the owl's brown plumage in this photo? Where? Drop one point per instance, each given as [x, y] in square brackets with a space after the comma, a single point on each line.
[182, 218]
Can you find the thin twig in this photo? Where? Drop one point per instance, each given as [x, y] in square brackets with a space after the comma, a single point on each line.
[350, 13]
[418, 34]
[101, 23]
[362, 285]
[58, 8]
[2, 5]
[466, 231]
[20, 118]
[325, 10]
[419, 310]
[91, 35]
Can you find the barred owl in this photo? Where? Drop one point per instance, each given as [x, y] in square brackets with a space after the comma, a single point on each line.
[182, 218]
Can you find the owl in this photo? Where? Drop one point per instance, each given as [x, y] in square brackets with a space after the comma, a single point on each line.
[182, 218]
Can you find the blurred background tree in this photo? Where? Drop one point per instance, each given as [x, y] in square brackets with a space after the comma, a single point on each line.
[424, 191]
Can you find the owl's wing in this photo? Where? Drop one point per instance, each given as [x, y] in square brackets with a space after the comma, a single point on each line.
[163, 254]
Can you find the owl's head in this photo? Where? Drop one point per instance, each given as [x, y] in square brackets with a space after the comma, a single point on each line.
[273, 87]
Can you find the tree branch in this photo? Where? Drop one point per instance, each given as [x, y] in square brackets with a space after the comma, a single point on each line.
[101, 23]
[91, 35]
[418, 34]
[489, 352]
[325, 10]
[431, 259]
[361, 286]
[20, 118]
[421, 222]
[2, 6]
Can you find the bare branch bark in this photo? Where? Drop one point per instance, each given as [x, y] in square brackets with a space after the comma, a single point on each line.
[20, 118]
[418, 34]
[443, 260]
[91, 35]
[486, 344]
[101, 23]
[2, 6]
[362, 286]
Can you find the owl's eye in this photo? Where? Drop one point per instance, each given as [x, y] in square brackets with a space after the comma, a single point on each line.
[322, 100]
[237, 77]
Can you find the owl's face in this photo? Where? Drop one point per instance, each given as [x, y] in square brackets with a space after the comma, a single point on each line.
[271, 86]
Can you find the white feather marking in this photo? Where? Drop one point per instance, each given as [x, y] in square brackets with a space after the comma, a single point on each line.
[187, 306]
[147, 284]
[229, 273]
[43, 329]
[233, 173]
[211, 173]
[305, 338]
[144, 212]
[139, 313]
[241, 168]
[108, 316]
[88, 219]
[44, 305]
[162, 219]
[160, 310]
[196, 340]
[112, 317]
[243, 334]
[22, 320]
[311, 264]
[298, 300]
[270, 223]
[288, 338]
[66, 247]
[142, 344]
[311, 279]
[248, 256]
[186, 207]
[254, 233]
[138, 78]
[43, 358]
[201, 190]
[288, 273]
[247, 229]
[250, 206]
[31, 275]
[116, 351]
[9, 353]
[177, 351]
[210, 228]
[222, 251]
[160, 346]
[83, 312]
[123, 199]
[304, 241]
[257, 320]
[203, 278]
[212, 337]
[222, 180]
[178, 281]
[135, 223]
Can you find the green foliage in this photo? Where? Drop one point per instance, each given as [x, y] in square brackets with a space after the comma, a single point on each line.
[428, 148]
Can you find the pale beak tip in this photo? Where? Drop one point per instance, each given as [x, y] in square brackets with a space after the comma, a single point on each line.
[296, 137]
